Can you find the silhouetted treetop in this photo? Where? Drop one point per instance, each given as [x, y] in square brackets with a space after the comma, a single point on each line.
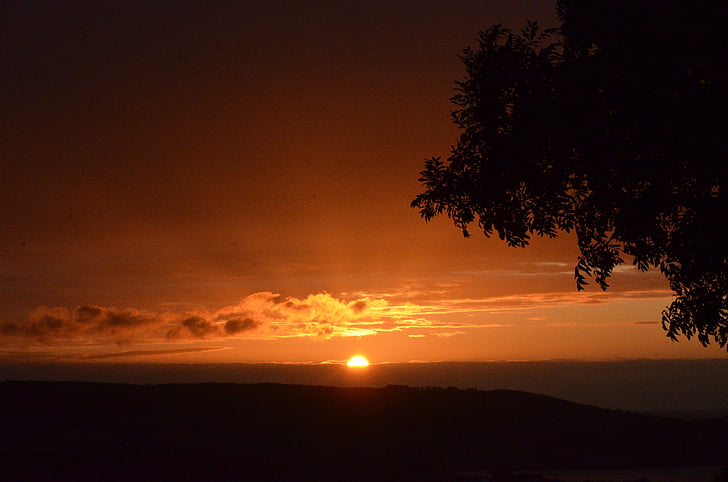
[611, 126]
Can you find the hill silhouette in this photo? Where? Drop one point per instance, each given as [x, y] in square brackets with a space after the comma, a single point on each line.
[78, 430]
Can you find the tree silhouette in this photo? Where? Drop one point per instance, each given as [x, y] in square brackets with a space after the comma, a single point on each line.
[611, 126]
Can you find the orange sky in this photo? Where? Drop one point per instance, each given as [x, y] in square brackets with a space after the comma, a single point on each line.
[230, 181]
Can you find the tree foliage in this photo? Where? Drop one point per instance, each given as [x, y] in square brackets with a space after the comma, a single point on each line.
[611, 126]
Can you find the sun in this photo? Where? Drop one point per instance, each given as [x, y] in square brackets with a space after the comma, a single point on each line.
[357, 361]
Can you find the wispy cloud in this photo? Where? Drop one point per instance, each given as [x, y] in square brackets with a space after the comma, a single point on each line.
[611, 323]
[147, 353]
[524, 302]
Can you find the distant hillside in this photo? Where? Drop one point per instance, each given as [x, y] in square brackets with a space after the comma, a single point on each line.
[68, 430]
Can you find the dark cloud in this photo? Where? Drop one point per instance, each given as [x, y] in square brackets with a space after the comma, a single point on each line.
[237, 325]
[123, 319]
[88, 313]
[87, 322]
[297, 306]
[359, 306]
[137, 353]
[193, 327]
[8, 328]
[49, 325]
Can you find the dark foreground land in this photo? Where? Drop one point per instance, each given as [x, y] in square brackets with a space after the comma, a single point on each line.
[95, 431]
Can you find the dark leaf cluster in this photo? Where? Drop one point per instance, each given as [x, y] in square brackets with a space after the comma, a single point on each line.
[612, 127]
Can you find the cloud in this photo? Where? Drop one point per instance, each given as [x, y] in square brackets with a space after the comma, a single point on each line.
[531, 301]
[194, 327]
[259, 315]
[267, 315]
[450, 334]
[320, 315]
[597, 324]
[238, 325]
[140, 353]
[48, 325]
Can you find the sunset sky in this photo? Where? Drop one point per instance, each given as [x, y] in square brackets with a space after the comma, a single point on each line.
[220, 181]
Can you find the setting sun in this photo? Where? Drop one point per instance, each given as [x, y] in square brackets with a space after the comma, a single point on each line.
[357, 361]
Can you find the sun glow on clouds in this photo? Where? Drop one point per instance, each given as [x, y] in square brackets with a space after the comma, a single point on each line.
[269, 316]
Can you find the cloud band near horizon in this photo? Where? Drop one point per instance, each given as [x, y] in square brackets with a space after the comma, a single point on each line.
[267, 315]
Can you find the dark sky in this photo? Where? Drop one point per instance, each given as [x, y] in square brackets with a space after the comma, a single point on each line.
[236, 136]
